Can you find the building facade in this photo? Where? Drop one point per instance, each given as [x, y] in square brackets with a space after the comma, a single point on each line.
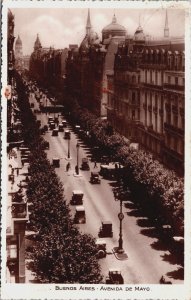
[19, 54]
[10, 43]
[147, 100]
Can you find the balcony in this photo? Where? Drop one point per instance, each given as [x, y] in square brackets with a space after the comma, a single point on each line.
[174, 130]
[173, 87]
[177, 156]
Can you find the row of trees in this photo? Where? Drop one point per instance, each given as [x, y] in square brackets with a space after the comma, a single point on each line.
[148, 179]
[61, 254]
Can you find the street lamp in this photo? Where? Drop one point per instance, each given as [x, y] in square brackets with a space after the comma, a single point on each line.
[69, 147]
[77, 166]
[121, 217]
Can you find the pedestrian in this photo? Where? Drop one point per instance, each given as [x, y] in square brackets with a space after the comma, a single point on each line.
[17, 171]
[95, 164]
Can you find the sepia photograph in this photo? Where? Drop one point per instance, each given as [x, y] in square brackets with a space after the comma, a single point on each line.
[95, 195]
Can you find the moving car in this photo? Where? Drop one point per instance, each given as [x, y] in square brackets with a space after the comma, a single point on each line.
[55, 132]
[105, 229]
[77, 197]
[101, 248]
[95, 177]
[67, 134]
[56, 162]
[80, 215]
[85, 164]
[114, 277]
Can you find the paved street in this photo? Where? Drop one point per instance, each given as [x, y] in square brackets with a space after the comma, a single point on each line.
[147, 259]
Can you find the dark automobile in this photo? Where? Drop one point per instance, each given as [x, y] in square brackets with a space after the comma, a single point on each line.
[114, 277]
[105, 229]
[95, 178]
[85, 164]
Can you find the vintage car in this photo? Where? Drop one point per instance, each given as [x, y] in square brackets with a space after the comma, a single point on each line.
[55, 132]
[101, 248]
[77, 197]
[64, 123]
[50, 119]
[67, 134]
[95, 177]
[114, 277]
[105, 229]
[52, 125]
[60, 127]
[56, 162]
[80, 215]
[85, 164]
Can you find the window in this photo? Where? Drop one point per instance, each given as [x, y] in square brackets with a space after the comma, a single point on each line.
[133, 114]
[145, 76]
[133, 98]
[169, 80]
[156, 77]
[151, 77]
[176, 80]
[175, 120]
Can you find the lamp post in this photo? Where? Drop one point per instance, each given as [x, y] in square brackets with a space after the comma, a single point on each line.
[121, 217]
[77, 166]
[69, 147]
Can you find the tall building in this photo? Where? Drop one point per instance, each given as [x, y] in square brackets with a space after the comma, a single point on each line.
[146, 102]
[18, 53]
[91, 64]
[10, 42]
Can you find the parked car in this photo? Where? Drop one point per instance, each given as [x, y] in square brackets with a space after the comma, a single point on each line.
[80, 215]
[101, 248]
[105, 229]
[77, 197]
[95, 177]
[56, 162]
[114, 277]
[85, 164]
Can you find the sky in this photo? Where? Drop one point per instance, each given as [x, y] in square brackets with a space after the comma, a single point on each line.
[60, 27]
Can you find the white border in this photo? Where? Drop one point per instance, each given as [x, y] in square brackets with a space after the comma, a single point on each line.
[42, 291]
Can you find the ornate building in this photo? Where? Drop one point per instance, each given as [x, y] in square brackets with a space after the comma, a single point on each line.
[88, 66]
[146, 102]
[18, 53]
[10, 42]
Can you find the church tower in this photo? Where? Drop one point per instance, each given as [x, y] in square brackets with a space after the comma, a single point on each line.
[18, 48]
[166, 29]
[37, 44]
[88, 25]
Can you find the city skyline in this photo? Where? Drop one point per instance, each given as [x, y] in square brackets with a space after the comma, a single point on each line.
[65, 30]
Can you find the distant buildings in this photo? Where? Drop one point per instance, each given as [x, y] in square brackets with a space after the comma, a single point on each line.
[10, 42]
[135, 82]
[47, 65]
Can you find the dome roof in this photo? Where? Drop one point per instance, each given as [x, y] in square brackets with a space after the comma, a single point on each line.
[114, 27]
[139, 35]
[18, 41]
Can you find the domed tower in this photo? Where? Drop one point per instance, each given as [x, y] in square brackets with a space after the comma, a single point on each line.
[113, 29]
[139, 39]
[90, 38]
[18, 48]
[37, 44]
